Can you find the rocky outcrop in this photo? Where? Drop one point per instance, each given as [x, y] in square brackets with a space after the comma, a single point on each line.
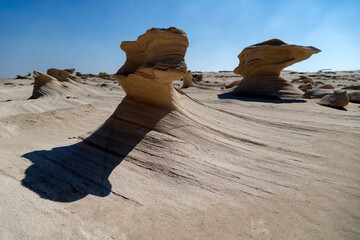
[261, 64]
[105, 75]
[187, 80]
[153, 62]
[62, 75]
[338, 98]
[41, 80]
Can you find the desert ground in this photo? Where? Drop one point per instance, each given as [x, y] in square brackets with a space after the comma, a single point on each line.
[224, 167]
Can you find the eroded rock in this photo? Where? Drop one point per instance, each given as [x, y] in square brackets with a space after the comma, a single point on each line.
[338, 98]
[153, 62]
[41, 79]
[62, 75]
[187, 80]
[261, 64]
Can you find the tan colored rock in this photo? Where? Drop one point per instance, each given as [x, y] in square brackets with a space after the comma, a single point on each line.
[261, 64]
[70, 70]
[104, 75]
[187, 80]
[41, 79]
[307, 80]
[338, 98]
[62, 75]
[327, 86]
[153, 62]
[78, 74]
[306, 86]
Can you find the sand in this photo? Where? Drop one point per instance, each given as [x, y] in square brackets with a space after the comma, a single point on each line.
[221, 167]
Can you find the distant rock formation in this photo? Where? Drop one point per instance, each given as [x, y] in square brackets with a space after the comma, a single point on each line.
[261, 64]
[28, 76]
[338, 98]
[153, 62]
[105, 75]
[187, 80]
[62, 75]
[41, 79]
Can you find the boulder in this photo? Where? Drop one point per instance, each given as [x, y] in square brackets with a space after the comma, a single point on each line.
[153, 62]
[261, 64]
[338, 98]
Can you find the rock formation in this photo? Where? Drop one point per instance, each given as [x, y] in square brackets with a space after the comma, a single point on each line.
[261, 64]
[327, 86]
[187, 80]
[153, 62]
[338, 98]
[306, 86]
[41, 79]
[62, 75]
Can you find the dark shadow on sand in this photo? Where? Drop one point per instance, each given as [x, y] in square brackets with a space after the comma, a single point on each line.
[69, 173]
[236, 96]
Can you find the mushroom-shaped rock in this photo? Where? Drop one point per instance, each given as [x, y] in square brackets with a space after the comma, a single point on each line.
[41, 79]
[153, 62]
[62, 75]
[338, 98]
[187, 81]
[261, 64]
[317, 93]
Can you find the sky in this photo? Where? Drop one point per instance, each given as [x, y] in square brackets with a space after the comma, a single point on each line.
[86, 34]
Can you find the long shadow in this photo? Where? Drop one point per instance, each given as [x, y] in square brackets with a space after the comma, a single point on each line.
[69, 173]
[237, 96]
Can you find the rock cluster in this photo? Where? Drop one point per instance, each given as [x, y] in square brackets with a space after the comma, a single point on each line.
[153, 62]
[261, 64]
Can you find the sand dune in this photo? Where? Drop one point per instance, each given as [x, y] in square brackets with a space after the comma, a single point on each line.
[211, 166]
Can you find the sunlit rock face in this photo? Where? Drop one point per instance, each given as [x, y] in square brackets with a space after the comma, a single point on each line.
[62, 75]
[153, 62]
[261, 64]
[41, 80]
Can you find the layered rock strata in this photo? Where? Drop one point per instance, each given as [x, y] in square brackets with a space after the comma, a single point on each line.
[261, 64]
[153, 62]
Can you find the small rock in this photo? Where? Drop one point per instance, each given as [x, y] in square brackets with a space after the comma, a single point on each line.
[327, 86]
[338, 98]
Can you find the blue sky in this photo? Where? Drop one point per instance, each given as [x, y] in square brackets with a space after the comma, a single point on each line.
[86, 34]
